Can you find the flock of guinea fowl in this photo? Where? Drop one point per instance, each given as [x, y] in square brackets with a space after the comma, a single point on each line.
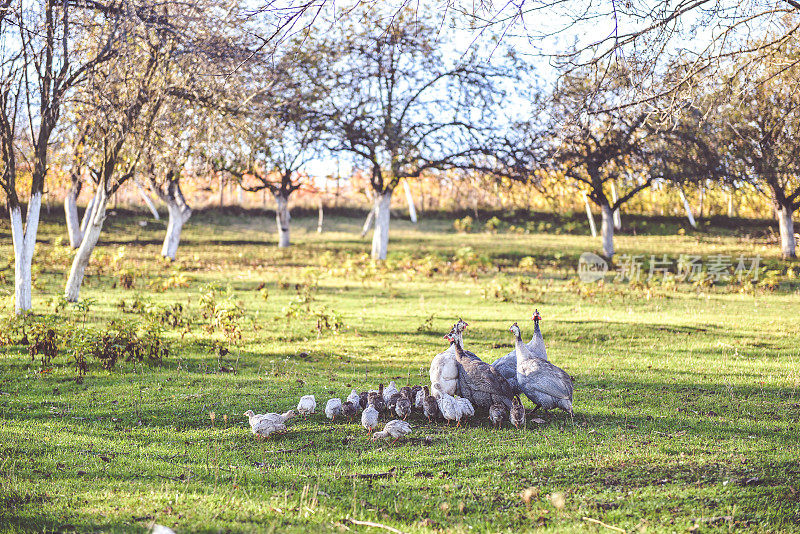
[460, 383]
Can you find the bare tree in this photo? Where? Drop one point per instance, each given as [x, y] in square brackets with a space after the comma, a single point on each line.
[402, 107]
[44, 58]
[757, 118]
[281, 128]
[129, 94]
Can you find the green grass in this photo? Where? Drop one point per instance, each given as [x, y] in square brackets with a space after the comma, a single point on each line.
[686, 402]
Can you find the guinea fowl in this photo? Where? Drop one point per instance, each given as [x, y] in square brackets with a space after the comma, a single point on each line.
[517, 414]
[430, 408]
[478, 381]
[444, 368]
[403, 408]
[375, 398]
[395, 429]
[389, 391]
[362, 399]
[546, 385]
[507, 365]
[333, 408]
[416, 398]
[419, 398]
[448, 407]
[369, 418]
[497, 412]
[390, 405]
[465, 409]
[263, 425]
[307, 405]
[355, 398]
[349, 410]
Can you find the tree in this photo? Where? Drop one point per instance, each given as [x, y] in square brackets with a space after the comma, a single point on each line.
[131, 93]
[281, 129]
[758, 119]
[401, 106]
[43, 59]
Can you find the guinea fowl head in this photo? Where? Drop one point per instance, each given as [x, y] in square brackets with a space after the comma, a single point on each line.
[249, 414]
[515, 330]
[536, 317]
[461, 325]
[450, 337]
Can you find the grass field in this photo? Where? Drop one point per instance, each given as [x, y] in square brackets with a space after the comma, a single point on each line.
[687, 410]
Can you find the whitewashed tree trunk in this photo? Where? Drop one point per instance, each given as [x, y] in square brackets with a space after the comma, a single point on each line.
[178, 215]
[786, 228]
[368, 222]
[147, 201]
[74, 230]
[94, 226]
[592, 227]
[24, 239]
[607, 231]
[282, 219]
[320, 217]
[86, 216]
[617, 217]
[412, 212]
[380, 237]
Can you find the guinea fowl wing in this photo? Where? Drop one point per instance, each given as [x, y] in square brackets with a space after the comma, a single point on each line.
[545, 378]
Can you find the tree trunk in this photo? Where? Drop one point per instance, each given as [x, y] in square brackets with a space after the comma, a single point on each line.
[74, 230]
[368, 222]
[380, 237]
[179, 213]
[83, 255]
[24, 239]
[607, 231]
[282, 218]
[786, 227]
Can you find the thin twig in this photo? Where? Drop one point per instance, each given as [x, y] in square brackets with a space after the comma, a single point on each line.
[604, 524]
[375, 525]
[307, 445]
[387, 474]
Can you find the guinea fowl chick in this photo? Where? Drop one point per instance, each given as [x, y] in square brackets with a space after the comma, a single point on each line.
[390, 390]
[430, 408]
[264, 425]
[355, 399]
[497, 412]
[465, 409]
[393, 402]
[395, 429]
[362, 399]
[517, 415]
[403, 408]
[418, 395]
[307, 405]
[349, 410]
[375, 398]
[369, 418]
[448, 407]
[333, 408]
[407, 393]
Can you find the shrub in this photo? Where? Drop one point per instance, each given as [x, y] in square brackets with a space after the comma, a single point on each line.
[465, 225]
[494, 224]
[43, 343]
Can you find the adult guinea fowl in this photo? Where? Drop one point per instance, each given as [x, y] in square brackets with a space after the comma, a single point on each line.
[507, 365]
[444, 368]
[478, 381]
[546, 385]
